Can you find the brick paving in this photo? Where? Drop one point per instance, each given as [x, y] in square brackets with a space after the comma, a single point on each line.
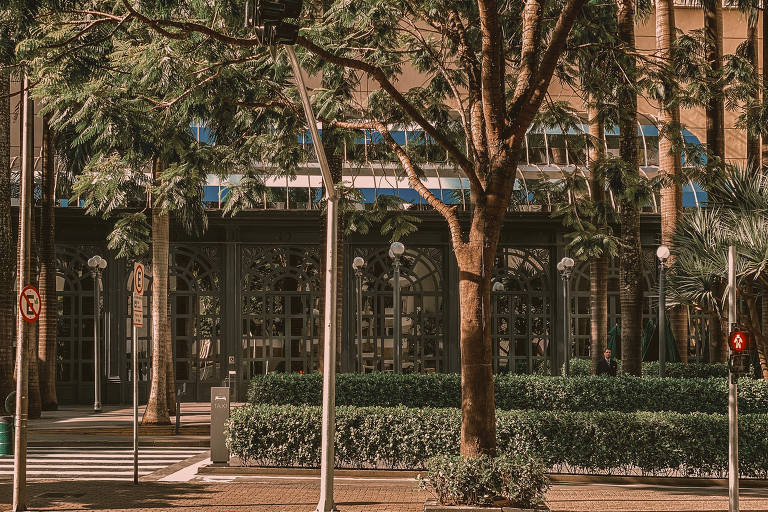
[258, 494]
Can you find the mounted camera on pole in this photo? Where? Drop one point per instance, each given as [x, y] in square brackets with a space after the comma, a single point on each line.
[267, 18]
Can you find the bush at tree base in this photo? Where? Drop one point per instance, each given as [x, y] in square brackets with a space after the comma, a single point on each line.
[519, 479]
[626, 394]
[659, 443]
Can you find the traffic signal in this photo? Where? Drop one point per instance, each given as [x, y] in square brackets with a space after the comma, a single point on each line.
[739, 341]
[268, 15]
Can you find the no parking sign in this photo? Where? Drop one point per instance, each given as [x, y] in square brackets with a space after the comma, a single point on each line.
[29, 304]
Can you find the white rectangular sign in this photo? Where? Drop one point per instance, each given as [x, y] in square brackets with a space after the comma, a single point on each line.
[138, 311]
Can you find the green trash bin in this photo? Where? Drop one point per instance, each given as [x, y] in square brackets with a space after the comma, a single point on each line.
[6, 435]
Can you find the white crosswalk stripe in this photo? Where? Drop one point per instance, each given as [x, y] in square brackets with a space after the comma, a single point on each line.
[62, 463]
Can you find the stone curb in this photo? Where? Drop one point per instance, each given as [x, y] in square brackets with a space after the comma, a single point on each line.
[434, 506]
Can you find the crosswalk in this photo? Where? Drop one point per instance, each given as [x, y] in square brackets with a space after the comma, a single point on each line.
[68, 463]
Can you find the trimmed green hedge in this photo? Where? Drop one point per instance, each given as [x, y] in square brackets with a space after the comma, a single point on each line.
[514, 392]
[596, 442]
[582, 368]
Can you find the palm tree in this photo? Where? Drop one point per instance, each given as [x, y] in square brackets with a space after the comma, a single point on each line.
[598, 265]
[713, 29]
[670, 162]
[157, 412]
[630, 255]
[736, 216]
[7, 263]
[49, 311]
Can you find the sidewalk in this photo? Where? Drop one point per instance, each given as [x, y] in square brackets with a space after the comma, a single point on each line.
[79, 425]
[261, 494]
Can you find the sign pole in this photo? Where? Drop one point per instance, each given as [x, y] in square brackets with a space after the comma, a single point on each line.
[733, 409]
[23, 277]
[137, 317]
[135, 406]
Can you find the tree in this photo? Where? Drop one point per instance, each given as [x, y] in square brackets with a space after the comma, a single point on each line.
[7, 263]
[670, 159]
[48, 294]
[713, 31]
[630, 253]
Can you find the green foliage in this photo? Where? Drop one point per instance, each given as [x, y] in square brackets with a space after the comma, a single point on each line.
[415, 390]
[129, 235]
[583, 367]
[520, 480]
[651, 443]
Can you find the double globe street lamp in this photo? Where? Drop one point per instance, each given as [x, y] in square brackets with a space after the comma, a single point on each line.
[396, 250]
[358, 264]
[565, 267]
[662, 253]
[97, 265]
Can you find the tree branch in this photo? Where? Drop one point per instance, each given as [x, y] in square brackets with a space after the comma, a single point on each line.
[525, 107]
[378, 75]
[448, 212]
[492, 72]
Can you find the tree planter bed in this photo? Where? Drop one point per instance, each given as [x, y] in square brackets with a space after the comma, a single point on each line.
[434, 506]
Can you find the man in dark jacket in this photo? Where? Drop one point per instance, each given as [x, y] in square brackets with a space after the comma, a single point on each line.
[607, 366]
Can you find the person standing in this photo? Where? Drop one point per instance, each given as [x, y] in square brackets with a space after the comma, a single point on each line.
[607, 366]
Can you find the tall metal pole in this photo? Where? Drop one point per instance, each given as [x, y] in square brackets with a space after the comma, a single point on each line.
[662, 320]
[359, 286]
[96, 343]
[565, 323]
[396, 313]
[733, 409]
[135, 357]
[22, 329]
[326, 503]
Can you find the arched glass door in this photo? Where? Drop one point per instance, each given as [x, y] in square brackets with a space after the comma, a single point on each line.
[280, 309]
[521, 311]
[422, 310]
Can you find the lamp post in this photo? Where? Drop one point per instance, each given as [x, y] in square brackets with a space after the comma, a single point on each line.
[662, 253]
[97, 264]
[358, 264]
[565, 266]
[396, 250]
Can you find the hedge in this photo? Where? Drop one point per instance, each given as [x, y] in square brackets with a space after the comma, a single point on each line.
[594, 442]
[626, 394]
[583, 367]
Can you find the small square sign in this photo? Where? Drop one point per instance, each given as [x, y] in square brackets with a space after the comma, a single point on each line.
[138, 311]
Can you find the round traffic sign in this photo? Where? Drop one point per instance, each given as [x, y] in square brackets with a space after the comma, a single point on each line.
[138, 279]
[30, 304]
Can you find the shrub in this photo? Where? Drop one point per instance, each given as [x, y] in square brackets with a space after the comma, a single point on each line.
[582, 368]
[519, 480]
[653, 443]
[514, 392]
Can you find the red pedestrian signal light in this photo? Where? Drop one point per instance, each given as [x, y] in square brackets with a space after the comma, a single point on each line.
[739, 341]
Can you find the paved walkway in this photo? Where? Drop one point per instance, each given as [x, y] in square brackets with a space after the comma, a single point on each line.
[259, 494]
[79, 425]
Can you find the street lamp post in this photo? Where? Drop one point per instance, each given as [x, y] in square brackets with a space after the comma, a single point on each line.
[396, 250]
[97, 264]
[662, 253]
[565, 266]
[357, 264]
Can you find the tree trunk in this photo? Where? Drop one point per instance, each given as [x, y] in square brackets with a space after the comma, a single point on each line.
[50, 304]
[753, 140]
[764, 331]
[7, 248]
[475, 262]
[670, 163]
[598, 267]
[715, 335]
[157, 412]
[764, 141]
[713, 29]
[630, 255]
